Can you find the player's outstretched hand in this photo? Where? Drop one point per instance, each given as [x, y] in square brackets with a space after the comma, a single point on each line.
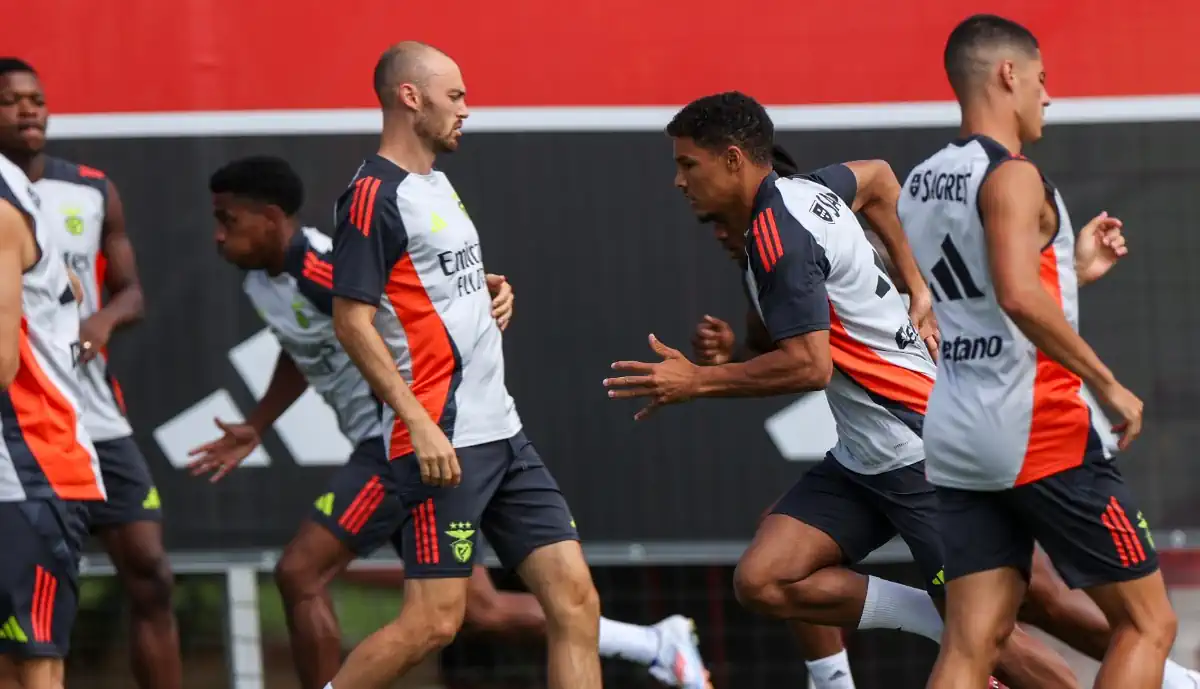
[1120, 400]
[502, 299]
[1098, 247]
[712, 343]
[224, 454]
[672, 380]
[435, 454]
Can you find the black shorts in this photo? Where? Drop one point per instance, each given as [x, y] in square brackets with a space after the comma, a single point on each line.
[1085, 519]
[362, 506]
[39, 577]
[132, 496]
[861, 512]
[506, 491]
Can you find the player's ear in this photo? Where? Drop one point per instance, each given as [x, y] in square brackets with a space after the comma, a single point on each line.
[734, 158]
[1008, 74]
[409, 96]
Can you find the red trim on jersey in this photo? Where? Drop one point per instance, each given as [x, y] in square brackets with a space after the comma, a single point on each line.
[662, 59]
[90, 172]
[48, 423]
[867, 368]
[320, 272]
[362, 208]
[433, 361]
[1060, 421]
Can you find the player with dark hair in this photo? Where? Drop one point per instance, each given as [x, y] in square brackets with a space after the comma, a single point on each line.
[1049, 605]
[289, 280]
[835, 321]
[84, 212]
[1012, 435]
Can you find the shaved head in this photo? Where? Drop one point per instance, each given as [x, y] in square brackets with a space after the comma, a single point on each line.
[407, 62]
[978, 44]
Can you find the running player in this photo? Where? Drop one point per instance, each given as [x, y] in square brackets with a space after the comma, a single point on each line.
[1013, 448]
[47, 462]
[255, 202]
[836, 320]
[83, 209]
[1070, 616]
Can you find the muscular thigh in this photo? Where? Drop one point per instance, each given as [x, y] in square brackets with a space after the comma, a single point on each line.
[830, 519]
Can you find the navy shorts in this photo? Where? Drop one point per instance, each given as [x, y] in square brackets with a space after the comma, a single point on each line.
[39, 577]
[362, 506]
[506, 491]
[132, 496]
[861, 512]
[1085, 518]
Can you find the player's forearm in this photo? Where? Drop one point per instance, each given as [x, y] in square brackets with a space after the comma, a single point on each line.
[887, 227]
[124, 307]
[370, 354]
[286, 386]
[774, 373]
[1041, 320]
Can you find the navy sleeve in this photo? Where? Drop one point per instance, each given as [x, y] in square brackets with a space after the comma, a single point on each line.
[789, 269]
[839, 179]
[368, 241]
[314, 277]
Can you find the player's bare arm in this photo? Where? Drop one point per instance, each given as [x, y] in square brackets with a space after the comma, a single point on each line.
[126, 303]
[224, 454]
[799, 364]
[876, 197]
[354, 325]
[1011, 203]
[17, 253]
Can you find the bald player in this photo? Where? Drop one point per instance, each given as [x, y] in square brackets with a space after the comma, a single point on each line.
[412, 310]
[1011, 438]
[289, 281]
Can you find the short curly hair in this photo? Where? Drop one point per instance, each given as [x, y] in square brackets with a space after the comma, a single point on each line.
[727, 119]
[266, 179]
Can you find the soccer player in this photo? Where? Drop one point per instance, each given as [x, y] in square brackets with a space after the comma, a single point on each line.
[1011, 440]
[836, 321]
[47, 461]
[289, 281]
[1049, 605]
[83, 211]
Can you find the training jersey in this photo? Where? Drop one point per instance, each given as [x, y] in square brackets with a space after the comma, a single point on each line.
[74, 203]
[297, 306]
[1002, 414]
[46, 452]
[405, 243]
[810, 267]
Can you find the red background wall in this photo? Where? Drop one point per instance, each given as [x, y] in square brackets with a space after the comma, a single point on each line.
[150, 55]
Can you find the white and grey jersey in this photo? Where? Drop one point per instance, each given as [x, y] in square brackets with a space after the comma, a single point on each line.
[297, 306]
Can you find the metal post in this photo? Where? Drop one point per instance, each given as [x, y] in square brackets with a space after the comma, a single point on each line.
[244, 630]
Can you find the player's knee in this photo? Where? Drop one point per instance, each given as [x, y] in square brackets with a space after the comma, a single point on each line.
[1047, 601]
[150, 583]
[575, 605]
[755, 587]
[434, 618]
[1158, 629]
[295, 578]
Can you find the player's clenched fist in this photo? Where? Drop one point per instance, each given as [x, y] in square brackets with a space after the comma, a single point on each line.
[439, 463]
[713, 342]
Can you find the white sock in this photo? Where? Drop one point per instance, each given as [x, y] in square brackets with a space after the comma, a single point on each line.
[830, 673]
[1175, 676]
[329, 686]
[896, 606]
[632, 642]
